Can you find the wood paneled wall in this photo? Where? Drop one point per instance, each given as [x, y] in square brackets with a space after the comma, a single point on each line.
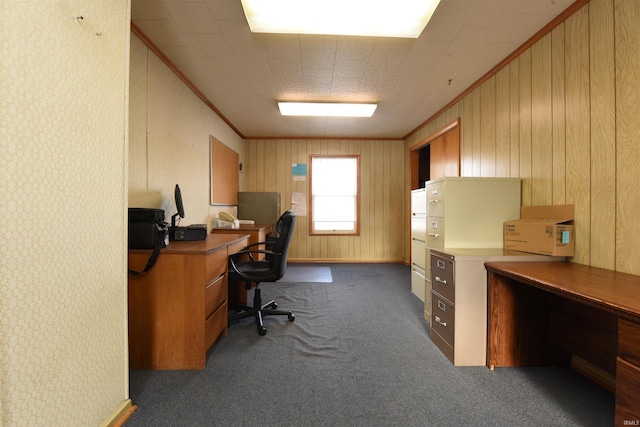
[267, 167]
[565, 116]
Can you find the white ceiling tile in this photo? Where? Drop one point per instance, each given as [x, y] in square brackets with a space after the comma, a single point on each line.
[210, 45]
[163, 33]
[243, 74]
[191, 17]
[148, 10]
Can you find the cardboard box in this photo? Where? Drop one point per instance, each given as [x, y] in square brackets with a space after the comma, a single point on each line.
[546, 230]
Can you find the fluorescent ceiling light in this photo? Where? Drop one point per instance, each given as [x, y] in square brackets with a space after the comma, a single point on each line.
[377, 18]
[326, 109]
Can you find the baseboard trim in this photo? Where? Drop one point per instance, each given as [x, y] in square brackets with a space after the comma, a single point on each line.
[121, 415]
[594, 373]
[345, 261]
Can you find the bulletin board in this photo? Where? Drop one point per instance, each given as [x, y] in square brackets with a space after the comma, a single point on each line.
[224, 174]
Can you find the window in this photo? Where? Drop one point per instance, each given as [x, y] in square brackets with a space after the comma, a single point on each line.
[335, 198]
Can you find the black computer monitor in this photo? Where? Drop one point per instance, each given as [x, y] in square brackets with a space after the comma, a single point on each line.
[178, 198]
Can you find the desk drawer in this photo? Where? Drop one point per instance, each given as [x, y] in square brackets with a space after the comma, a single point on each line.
[215, 294]
[215, 326]
[216, 265]
[442, 315]
[629, 341]
[627, 393]
[232, 249]
[442, 276]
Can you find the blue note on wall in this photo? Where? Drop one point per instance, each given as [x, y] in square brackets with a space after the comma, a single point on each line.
[299, 169]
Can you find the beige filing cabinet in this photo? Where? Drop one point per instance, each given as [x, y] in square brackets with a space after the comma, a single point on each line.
[418, 246]
[459, 300]
[468, 212]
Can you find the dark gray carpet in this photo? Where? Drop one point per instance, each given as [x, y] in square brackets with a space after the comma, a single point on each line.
[358, 354]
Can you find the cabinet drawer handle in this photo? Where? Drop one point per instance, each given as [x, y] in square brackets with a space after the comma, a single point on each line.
[440, 321]
[441, 265]
[438, 279]
[442, 306]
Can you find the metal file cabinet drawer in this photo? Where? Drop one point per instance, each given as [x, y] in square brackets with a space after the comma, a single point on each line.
[418, 202]
[419, 228]
[417, 281]
[443, 315]
[427, 267]
[435, 198]
[442, 279]
[418, 255]
[435, 232]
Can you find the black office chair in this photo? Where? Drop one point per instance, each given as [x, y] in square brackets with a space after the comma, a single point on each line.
[244, 266]
[272, 238]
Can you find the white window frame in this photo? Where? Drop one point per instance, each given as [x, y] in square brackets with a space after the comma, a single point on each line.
[315, 204]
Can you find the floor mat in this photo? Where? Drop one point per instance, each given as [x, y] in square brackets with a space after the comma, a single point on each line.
[298, 273]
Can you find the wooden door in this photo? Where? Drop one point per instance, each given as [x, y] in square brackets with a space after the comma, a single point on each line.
[444, 147]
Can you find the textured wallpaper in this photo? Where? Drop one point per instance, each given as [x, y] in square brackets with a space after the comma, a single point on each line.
[63, 133]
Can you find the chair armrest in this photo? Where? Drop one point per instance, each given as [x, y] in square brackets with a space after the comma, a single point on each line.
[252, 251]
[234, 261]
[255, 244]
[267, 245]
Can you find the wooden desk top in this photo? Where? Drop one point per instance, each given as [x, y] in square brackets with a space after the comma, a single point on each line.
[212, 243]
[244, 227]
[608, 290]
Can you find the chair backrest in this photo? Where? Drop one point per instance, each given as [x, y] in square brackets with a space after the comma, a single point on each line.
[280, 221]
[278, 264]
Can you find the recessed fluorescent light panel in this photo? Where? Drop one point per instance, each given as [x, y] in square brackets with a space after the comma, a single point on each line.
[376, 18]
[326, 109]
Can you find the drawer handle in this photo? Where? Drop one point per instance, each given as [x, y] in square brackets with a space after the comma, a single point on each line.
[215, 280]
[441, 265]
[442, 306]
[441, 322]
[438, 279]
[433, 235]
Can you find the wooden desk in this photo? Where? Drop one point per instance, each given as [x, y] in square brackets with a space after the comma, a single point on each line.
[178, 309]
[567, 305]
[257, 233]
